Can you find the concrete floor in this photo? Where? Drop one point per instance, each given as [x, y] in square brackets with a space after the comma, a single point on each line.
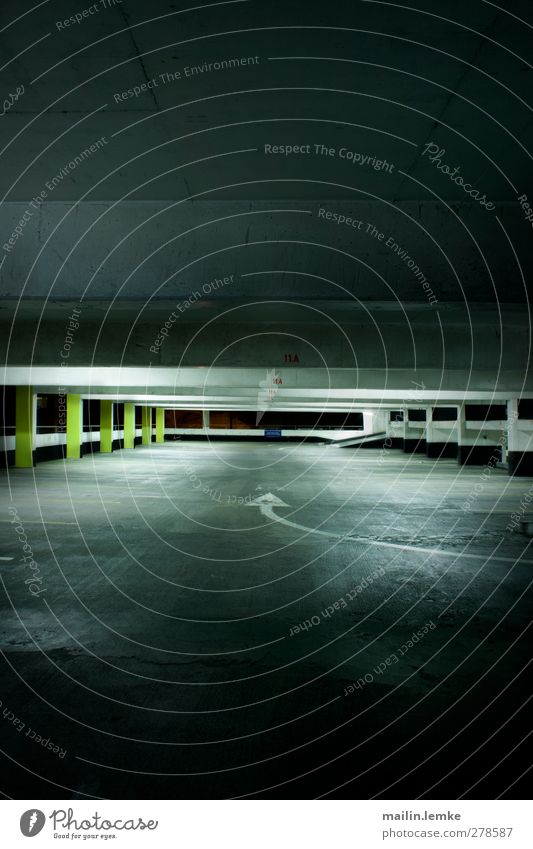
[158, 654]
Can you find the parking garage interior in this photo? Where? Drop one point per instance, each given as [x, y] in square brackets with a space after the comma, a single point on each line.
[266, 431]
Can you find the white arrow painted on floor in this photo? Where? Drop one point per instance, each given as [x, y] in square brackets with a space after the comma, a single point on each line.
[267, 502]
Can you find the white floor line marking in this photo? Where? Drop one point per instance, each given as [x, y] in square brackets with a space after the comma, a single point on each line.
[267, 502]
[135, 496]
[77, 502]
[7, 558]
[41, 522]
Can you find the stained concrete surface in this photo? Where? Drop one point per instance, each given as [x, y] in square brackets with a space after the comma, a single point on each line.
[158, 654]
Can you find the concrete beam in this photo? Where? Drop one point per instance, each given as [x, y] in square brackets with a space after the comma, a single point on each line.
[380, 386]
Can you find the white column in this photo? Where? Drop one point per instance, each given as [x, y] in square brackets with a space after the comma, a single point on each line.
[461, 433]
[519, 442]
[512, 426]
[429, 425]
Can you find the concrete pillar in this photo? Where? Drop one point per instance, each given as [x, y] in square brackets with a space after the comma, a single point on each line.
[146, 425]
[404, 427]
[481, 445]
[205, 419]
[462, 446]
[441, 433]
[461, 430]
[513, 440]
[159, 424]
[395, 428]
[74, 426]
[129, 425]
[24, 427]
[429, 431]
[106, 427]
[414, 440]
[519, 442]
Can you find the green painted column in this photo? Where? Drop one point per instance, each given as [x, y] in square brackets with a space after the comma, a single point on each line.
[106, 427]
[147, 425]
[129, 425]
[24, 427]
[74, 409]
[159, 424]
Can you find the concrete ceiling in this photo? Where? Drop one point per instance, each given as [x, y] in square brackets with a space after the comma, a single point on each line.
[377, 77]
[182, 190]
